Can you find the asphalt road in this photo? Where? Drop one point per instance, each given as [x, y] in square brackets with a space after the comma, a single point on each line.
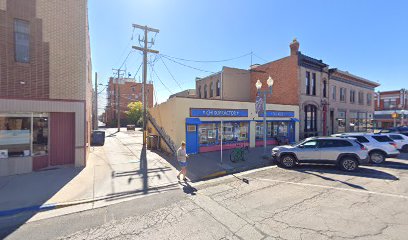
[308, 202]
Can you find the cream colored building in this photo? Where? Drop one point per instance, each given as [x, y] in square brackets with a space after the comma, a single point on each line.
[199, 123]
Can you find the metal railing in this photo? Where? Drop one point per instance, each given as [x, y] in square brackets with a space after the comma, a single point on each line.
[167, 139]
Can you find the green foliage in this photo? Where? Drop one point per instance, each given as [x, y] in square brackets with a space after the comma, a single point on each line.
[135, 112]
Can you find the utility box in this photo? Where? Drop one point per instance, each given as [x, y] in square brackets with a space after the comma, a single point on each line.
[98, 138]
[152, 142]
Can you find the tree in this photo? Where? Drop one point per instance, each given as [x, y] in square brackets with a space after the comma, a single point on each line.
[135, 112]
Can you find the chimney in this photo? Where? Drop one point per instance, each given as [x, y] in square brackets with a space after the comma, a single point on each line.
[294, 47]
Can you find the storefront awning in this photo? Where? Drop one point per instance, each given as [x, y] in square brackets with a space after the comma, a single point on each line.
[194, 121]
[294, 120]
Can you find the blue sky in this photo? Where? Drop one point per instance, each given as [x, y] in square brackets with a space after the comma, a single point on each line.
[367, 37]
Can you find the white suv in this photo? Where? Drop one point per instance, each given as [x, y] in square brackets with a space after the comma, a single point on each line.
[379, 146]
[400, 139]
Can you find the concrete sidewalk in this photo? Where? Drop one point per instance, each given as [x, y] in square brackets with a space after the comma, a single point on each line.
[209, 165]
[119, 170]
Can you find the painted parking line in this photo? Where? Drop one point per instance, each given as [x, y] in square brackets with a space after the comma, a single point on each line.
[335, 188]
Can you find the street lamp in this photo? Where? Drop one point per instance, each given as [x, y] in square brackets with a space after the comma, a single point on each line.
[265, 93]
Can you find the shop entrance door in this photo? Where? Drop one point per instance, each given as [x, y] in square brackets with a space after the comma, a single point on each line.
[62, 145]
[191, 139]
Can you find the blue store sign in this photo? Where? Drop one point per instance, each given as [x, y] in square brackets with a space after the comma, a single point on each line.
[271, 113]
[216, 112]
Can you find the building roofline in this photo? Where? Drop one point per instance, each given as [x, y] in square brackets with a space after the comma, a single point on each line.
[360, 79]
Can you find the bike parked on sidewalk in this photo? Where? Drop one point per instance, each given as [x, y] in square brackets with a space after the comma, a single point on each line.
[238, 154]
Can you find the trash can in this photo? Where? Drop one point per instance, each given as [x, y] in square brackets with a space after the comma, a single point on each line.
[154, 142]
[149, 142]
[98, 138]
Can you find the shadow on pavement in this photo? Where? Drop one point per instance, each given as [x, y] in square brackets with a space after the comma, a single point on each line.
[139, 172]
[392, 164]
[188, 189]
[127, 194]
[30, 191]
[361, 172]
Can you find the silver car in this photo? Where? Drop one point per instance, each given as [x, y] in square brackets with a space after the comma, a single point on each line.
[347, 153]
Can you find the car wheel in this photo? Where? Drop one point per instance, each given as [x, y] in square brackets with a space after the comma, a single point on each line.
[288, 161]
[377, 157]
[348, 164]
[405, 148]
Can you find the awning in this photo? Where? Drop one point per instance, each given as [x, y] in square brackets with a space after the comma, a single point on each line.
[194, 121]
[294, 120]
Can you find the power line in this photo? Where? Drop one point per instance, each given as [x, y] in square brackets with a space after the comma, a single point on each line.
[164, 85]
[170, 73]
[207, 61]
[185, 65]
[260, 58]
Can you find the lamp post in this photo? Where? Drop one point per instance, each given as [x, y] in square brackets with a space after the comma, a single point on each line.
[403, 100]
[265, 93]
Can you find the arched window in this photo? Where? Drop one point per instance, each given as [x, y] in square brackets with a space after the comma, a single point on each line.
[218, 88]
[205, 91]
[310, 128]
[211, 89]
[199, 91]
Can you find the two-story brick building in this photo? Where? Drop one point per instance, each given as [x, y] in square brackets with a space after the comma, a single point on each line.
[391, 108]
[45, 84]
[122, 92]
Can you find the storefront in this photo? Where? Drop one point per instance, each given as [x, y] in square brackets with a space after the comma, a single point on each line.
[226, 124]
[40, 138]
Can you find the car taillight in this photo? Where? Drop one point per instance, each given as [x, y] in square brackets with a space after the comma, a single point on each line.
[363, 147]
[393, 144]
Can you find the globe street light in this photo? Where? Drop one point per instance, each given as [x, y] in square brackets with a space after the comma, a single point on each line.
[265, 93]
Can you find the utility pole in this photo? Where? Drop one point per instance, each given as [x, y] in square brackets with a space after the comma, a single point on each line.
[118, 96]
[145, 50]
[96, 103]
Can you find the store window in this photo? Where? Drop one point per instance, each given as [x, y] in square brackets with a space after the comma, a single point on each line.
[362, 122]
[274, 129]
[15, 135]
[341, 122]
[40, 134]
[353, 122]
[23, 134]
[234, 132]
[207, 133]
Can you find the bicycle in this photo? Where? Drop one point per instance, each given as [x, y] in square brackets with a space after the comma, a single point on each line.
[238, 154]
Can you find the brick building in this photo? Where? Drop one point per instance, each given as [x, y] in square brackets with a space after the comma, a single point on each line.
[391, 108]
[130, 91]
[45, 84]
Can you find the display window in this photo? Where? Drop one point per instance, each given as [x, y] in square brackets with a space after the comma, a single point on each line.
[23, 134]
[210, 133]
[274, 129]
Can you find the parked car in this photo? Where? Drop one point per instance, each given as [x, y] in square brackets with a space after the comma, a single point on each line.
[347, 153]
[379, 146]
[400, 139]
[400, 130]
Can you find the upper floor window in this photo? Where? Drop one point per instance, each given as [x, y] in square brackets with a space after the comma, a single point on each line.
[390, 103]
[133, 89]
[199, 91]
[211, 89]
[314, 84]
[308, 83]
[342, 94]
[369, 99]
[334, 92]
[360, 98]
[352, 96]
[205, 91]
[22, 41]
[218, 88]
[324, 88]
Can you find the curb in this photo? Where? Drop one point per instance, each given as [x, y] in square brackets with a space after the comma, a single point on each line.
[232, 171]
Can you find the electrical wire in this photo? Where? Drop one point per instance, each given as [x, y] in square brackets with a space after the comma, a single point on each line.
[164, 85]
[207, 61]
[185, 65]
[170, 73]
[260, 58]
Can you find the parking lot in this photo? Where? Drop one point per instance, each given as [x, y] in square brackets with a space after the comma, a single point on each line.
[307, 202]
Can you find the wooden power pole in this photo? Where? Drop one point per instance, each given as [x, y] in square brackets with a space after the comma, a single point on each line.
[145, 50]
[118, 110]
